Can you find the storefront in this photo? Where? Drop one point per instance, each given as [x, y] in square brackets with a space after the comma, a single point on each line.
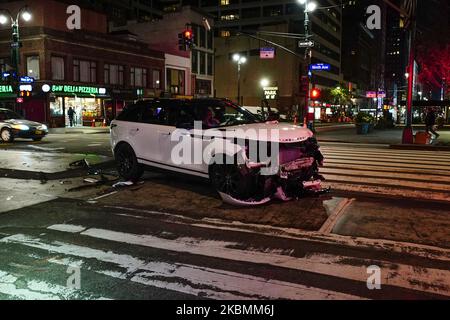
[87, 102]
[7, 97]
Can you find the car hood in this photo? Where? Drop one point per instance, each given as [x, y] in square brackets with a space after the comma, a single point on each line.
[25, 122]
[269, 131]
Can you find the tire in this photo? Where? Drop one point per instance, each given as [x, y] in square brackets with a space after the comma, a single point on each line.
[6, 135]
[37, 139]
[127, 164]
[230, 179]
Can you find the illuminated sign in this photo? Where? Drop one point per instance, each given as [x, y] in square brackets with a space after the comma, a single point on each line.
[6, 89]
[320, 66]
[78, 89]
[26, 79]
[25, 87]
[267, 53]
[270, 93]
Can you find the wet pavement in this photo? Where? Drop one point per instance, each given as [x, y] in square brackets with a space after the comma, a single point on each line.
[171, 237]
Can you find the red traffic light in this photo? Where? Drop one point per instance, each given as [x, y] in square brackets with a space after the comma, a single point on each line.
[188, 34]
[315, 93]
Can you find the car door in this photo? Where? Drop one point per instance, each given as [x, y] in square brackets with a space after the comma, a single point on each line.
[154, 125]
[186, 140]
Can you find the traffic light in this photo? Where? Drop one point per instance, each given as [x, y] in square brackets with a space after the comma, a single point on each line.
[315, 93]
[189, 38]
[186, 40]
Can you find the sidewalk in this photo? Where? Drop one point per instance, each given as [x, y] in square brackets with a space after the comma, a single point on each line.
[392, 137]
[78, 130]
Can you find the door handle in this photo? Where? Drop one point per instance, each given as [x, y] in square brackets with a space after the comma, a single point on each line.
[113, 125]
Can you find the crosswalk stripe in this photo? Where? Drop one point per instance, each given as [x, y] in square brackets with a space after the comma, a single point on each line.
[444, 159]
[386, 170]
[222, 284]
[394, 175]
[405, 276]
[425, 175]
[439, 164]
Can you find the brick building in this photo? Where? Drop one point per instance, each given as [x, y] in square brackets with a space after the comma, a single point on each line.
[93, 72]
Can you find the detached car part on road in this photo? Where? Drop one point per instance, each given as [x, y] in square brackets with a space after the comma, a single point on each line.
[12, 126]
[151, 134]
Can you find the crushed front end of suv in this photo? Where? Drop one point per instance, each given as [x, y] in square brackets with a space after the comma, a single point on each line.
[248, 162]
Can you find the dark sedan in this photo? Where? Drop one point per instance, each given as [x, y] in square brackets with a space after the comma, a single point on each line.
[12, 126]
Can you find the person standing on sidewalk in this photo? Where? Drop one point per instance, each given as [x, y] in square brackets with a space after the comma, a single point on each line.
[430, 122]
[71, 114]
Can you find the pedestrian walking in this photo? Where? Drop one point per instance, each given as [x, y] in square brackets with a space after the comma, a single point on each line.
[71, 114]
[430, 122]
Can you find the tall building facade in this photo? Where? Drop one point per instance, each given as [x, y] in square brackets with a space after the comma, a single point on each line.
[250, 15]
[90, 70]
[363, 53]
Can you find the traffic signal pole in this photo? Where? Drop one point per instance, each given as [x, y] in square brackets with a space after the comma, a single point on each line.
[306, 121]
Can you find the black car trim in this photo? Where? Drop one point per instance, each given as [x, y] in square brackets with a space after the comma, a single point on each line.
[168, 165]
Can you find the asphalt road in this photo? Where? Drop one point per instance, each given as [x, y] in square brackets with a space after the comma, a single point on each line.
[171, 237]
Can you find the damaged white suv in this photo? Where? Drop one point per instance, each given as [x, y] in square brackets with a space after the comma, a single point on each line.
[246, 160]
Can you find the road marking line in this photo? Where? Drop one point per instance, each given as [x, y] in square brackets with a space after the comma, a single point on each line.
[335, 216]
[103, 196]
[406, 276]
[221, 284]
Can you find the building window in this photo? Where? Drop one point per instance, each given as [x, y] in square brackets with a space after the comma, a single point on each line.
[225, 33]
[202, 34]
[2, 65]
[210, 38]
[84, 71]
[156, 78]
[33, 67]
[210, 65]
[175, 81]
[138, 77]
[194, 61]
[114, 74]
[202, 63]
[224, 2]
[58, 68]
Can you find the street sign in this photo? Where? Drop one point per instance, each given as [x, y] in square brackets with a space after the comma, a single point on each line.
[267, 53]
[26, 79]
[305, 44]
[320, 66]
[374, 94]
[270, 93]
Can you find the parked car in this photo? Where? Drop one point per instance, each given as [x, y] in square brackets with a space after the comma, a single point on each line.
[150, 134]
[13, 125]
[274, 113]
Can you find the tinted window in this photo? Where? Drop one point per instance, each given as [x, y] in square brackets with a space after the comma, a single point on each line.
[131, 113]
[221, 114]
[154, 112]
[7, 115]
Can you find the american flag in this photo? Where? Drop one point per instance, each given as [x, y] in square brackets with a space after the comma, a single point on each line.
[409, 7]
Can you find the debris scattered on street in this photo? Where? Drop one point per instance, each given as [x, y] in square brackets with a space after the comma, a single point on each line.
[65, 182]
[123, 184]
[80, 163]
[90, 180]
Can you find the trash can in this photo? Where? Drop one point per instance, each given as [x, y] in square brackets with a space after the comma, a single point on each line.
[422, 137]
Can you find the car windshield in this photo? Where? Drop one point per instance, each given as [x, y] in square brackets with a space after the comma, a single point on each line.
[9, 115]
[223, 114]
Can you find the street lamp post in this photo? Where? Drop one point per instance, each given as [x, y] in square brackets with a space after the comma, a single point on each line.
[15, 45]
[264, 83]
[310, 6]
[239, 60]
